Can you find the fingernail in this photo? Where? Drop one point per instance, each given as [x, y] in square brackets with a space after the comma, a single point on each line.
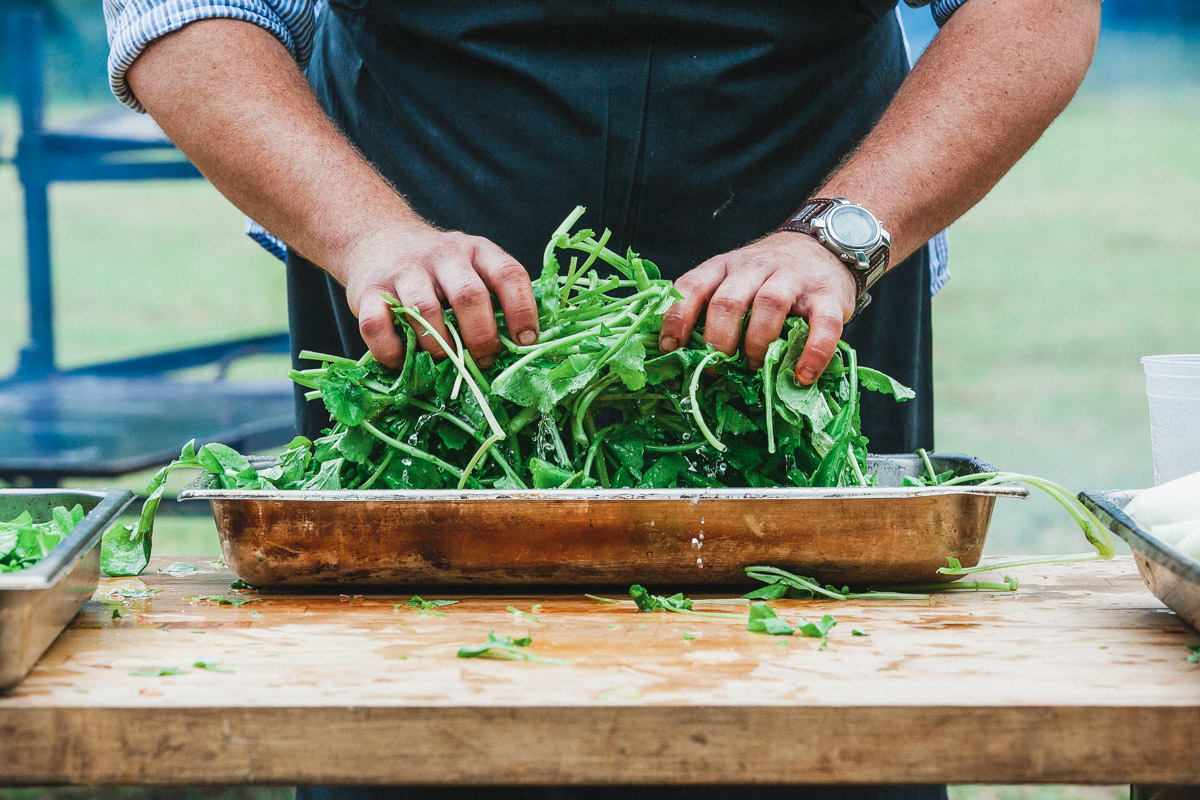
[667, 344]
[486, 361]
[755, 364]
[807, 375]
[527, 337]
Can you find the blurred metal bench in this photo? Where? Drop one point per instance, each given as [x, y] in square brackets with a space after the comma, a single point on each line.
[119, 416]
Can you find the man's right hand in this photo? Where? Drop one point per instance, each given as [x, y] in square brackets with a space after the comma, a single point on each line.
[424, 268]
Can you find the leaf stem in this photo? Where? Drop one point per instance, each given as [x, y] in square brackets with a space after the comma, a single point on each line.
[695, 406]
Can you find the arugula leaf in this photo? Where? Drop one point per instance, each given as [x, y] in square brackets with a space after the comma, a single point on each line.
[506, 648]
[427, 607]
[817, 630]
[211, 666]
[222, 600]
[764, 620]
[157, 672]
[1194, 657]
[876, 381]
[523, 616]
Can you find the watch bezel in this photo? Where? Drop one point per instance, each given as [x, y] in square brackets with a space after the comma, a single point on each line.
[841, 243]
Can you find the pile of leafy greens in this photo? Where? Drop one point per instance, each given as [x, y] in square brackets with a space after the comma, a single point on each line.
[593, 403]
[24, 542]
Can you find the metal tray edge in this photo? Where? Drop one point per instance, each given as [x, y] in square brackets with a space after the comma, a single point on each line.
[59, 561]
[1109, 506]
[202, 489]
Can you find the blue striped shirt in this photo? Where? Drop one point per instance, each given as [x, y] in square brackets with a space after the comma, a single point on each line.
[133, 24]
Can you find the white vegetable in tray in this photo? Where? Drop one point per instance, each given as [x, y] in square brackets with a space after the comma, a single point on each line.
[1170, 513]
[1174, 532]
[1190, 544]
[1174, 501]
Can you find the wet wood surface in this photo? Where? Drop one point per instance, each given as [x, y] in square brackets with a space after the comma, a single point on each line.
[1079, 677]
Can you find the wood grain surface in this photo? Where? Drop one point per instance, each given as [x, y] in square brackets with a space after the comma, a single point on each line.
[1079, 677]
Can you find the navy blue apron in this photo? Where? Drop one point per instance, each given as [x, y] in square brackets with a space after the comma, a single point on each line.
[689, 129]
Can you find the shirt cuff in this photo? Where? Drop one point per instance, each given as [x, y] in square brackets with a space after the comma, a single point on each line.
[133, 25]
[943, 9]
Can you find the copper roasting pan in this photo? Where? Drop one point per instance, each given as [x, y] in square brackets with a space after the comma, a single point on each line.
[36, 603]
[1170, 575]
[597, 537]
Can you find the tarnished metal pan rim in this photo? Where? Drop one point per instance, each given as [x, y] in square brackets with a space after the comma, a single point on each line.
[199, 492]
[83, 538]
[203, 489]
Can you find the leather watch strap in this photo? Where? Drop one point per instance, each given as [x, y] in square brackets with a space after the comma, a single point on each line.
[799, 223]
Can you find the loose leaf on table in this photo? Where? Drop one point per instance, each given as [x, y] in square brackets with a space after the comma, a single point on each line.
[763, 619]
[157, 672]
[506, 648]
[819, 629]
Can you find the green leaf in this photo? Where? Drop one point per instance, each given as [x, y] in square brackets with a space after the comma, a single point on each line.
[156, 672]
[817, 630]
[211, 666]
[506, 648]
[125, 549]
[428, 607]
[876, 381]
[764, 620]
[523, 616]
[328, 478]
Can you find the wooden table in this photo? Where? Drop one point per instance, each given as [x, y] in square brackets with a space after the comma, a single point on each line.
[1080, 677]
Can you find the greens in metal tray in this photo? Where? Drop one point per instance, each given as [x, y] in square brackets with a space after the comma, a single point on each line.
[24, 542]
[593, 403]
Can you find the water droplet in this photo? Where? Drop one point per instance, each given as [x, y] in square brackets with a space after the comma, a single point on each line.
[702, 535]
[696, 543]
[651, 523]
[702, 522]
[699, 563]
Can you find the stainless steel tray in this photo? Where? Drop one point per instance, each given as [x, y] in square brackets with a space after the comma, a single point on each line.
[594, 537]
[38, 602]
[1172, 576]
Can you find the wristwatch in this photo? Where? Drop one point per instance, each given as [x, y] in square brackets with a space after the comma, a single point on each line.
[853, 234]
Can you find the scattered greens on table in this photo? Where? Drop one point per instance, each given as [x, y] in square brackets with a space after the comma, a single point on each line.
[24, 542]
[592, 403]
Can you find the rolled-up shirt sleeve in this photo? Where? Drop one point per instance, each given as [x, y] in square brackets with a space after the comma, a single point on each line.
[942, 9]
[133, 24]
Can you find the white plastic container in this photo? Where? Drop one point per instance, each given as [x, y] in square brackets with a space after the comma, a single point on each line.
[1173, 389]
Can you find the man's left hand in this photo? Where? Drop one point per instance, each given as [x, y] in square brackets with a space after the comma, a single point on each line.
[783, 274]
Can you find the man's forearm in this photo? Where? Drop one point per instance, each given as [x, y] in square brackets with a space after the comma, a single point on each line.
[231, 97]
[984, 91]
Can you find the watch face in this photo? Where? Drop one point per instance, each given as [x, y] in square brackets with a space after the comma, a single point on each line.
[852, 227]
